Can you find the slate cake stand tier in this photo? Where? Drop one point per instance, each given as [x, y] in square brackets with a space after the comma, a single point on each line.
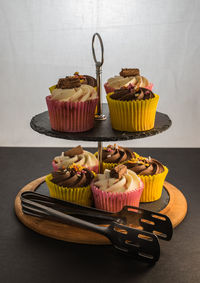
[172, 202]
[102, 130]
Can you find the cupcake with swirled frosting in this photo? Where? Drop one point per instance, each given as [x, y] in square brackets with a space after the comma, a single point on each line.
[132, 109]
[71, 184]
[152, 173]
[78, 156]
[125, 78]
[112, 155]
[71, 105]
[116, 188]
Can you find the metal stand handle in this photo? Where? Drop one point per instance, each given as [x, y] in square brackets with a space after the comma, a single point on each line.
[99, 116]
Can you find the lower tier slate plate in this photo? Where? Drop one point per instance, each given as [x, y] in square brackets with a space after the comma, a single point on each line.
[155, 206]
[172, 203]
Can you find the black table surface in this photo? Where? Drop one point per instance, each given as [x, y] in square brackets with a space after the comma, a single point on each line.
[26, 256]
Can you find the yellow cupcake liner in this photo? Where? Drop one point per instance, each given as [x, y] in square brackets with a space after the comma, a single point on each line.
[132, 116]
[51, 88]
[106, 165]
[153, 186]
[81, 195]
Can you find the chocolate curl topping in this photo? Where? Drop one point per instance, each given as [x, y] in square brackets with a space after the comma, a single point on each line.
[74, 151]
[72, 177]
[131, 93]
[118, 171]
[129, 72]
[68, 82]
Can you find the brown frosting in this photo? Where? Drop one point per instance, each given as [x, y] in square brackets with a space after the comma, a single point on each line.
[128, 72]
[116, 154]
[68, 82]
[145, 166]
[90, 81]
[72, 177]
[130, 93]
[86, 79]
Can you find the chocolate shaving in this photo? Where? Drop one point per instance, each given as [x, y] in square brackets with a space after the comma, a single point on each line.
[129, 72]
[90, 81]
[118, 171]
[74, 151]
[68, 82]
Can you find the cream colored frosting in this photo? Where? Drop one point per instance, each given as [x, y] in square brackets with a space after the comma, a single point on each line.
[119, 81]
[80, 94]
[86, 159]
[128, 182]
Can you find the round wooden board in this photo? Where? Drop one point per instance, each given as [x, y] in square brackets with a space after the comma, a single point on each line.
[176, 210]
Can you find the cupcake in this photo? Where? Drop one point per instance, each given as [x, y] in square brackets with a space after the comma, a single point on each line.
[132, 109]
[152, 173]
[71, 184]
[116, 188]
[127, 77]
[78, 156]
[113, 155]
[71, 105]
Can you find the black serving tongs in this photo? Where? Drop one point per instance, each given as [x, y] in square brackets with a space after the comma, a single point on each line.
[153, 222]
[141, 245]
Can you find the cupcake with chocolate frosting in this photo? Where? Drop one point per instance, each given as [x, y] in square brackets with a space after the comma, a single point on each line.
[152, 173]
[71, 105]
[112, 155]
[116, 188]
[125, 78]
[71, 184]
[132, 109]
[78, 156]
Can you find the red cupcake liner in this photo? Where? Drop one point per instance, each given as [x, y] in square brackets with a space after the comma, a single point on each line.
[71, 116]
[91, 168]
[109, 89]
[114, 202]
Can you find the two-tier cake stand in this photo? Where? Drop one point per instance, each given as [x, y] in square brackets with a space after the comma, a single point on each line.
[172, 202]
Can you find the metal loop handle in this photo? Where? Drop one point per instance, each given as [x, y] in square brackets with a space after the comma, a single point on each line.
[98, 63]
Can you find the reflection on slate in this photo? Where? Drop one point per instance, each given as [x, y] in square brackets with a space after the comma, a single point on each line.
[155, 206]
[102, 130]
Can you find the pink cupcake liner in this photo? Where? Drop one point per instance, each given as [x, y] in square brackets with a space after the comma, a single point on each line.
[71, 116]
[114, 202]
[91, 168]
[109, 89]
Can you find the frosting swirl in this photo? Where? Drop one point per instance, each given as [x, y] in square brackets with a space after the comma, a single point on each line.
[144, 166]
[79, 94]
[72, 177]
[116, 154]
[119, 81]
[130, 93]
[128, 182]
[85, 159]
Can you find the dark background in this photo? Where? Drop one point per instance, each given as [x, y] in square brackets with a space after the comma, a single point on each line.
[26, 256]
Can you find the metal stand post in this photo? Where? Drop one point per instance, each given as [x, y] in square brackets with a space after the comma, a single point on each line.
[99, 116]
[100, 157]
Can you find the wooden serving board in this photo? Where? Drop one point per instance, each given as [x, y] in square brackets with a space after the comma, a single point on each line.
[176, 210]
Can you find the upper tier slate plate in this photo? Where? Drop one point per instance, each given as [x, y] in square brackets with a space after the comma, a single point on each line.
[102, 130]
